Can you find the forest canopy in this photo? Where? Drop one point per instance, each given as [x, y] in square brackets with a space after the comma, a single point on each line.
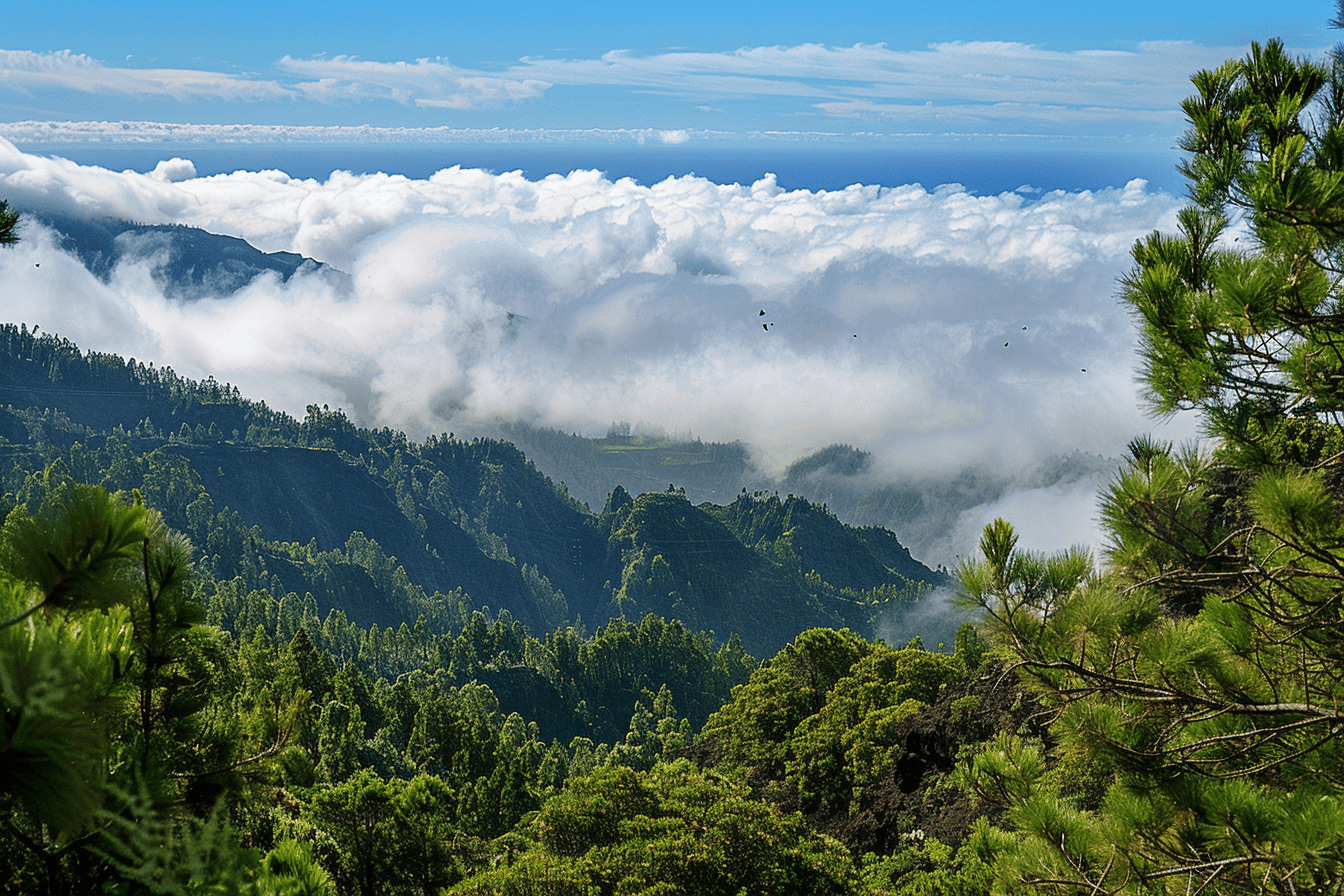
[1197, 677]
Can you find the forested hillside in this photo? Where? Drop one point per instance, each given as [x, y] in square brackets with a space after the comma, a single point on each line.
[214, 681]
[639, 459]
[389, 531]
[246, 653]
[923, 508]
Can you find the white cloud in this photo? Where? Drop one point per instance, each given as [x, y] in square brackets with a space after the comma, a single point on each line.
[174, 170]
[26, 71]
[432, 83]
[887, 310]
[1046, 520]
[960, 80]
[1034, 113]
[1143, 83]
[39, 182]
[160, 132]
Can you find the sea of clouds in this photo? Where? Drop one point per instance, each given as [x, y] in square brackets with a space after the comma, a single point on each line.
[931, 326]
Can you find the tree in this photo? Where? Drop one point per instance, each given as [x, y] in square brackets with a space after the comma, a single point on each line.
[756, 727]
[672, 831]
[1197, 682]
[113, 753]
[854, 738]
[9, 220]
[65, 650]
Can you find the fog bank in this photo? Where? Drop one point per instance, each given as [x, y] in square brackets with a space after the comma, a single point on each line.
[931, 326]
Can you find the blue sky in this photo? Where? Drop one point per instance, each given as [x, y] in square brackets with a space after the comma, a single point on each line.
[691, 70]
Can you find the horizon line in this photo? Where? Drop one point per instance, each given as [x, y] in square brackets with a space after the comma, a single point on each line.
[130, 133]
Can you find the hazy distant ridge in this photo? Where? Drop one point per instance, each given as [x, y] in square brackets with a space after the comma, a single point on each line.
[186, 262]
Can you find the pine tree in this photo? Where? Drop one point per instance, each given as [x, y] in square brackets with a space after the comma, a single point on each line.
[9, 221]
[1198, 681]
[110, 763]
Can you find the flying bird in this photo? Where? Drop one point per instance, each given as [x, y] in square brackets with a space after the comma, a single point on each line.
[1005, 345]
[765, 328]
[1024, 328]
[762, 314]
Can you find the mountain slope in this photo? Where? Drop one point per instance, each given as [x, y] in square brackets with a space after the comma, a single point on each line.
[322, 507]
[186, 262]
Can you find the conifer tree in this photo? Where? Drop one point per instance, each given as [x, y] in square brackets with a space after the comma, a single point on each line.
[1198, 682]
[9, 220]
[110, 768]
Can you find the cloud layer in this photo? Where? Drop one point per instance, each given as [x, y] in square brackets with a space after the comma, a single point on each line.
[176, 133]
[958, 85]
[933, 327]
[26, 71]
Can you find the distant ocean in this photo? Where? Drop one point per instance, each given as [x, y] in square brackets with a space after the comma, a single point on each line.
[982, 169]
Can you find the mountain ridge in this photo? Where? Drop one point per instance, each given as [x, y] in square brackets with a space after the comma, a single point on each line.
[926, 511]
[288, 504]
[186, 262]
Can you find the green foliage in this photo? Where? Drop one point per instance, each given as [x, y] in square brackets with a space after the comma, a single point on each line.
[73, 552]
[303, 696]
[1161, 719]
[322, 507]
[59, 677]
[855, 737]
[1020, 591]
[968, 648]
[290, 870]
[624, 665]
[823, 720]
[673, 830]
[65, 647]
[154, 853]
[655, 731]
[1195, 684]
[388, 750]
[929, 867]
[9, 220]
[120, 729]
[385, 836]
[174, 857]
[1246, 335]
[754, 729]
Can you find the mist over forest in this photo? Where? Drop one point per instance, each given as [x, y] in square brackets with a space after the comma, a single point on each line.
[938, 330]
